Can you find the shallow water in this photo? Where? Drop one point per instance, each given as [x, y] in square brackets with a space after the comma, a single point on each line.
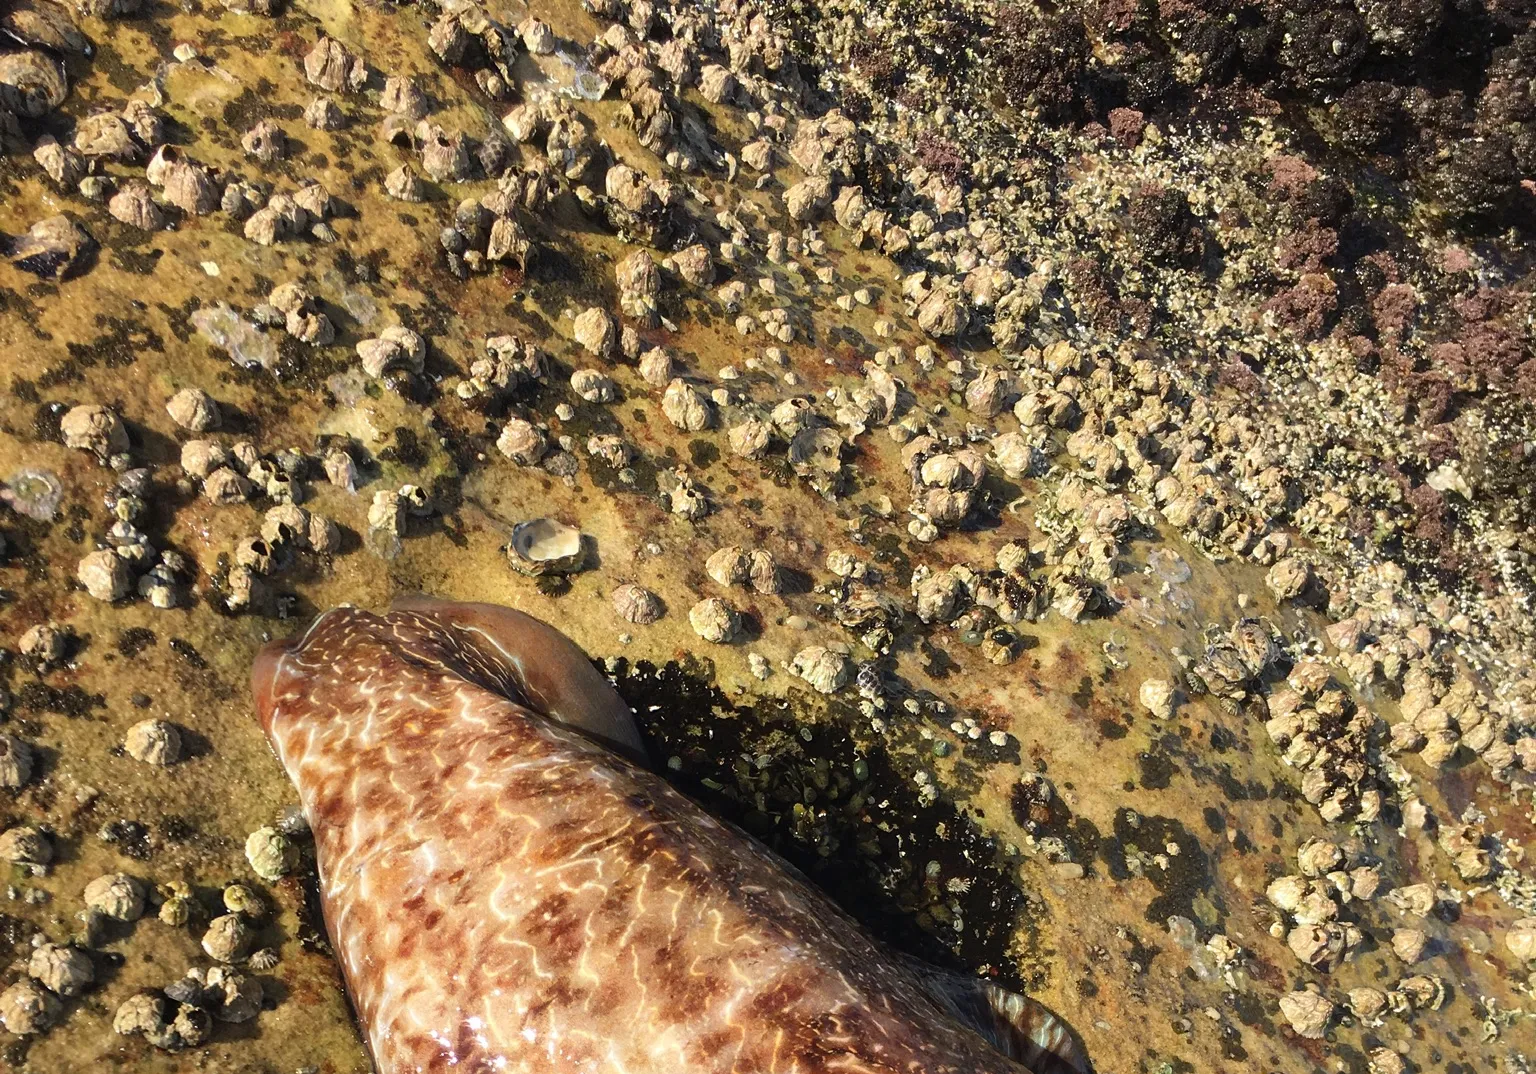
[1184, 819]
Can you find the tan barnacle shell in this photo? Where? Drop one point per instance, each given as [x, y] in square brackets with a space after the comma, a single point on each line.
[323, 114]
[64, 166]
[545, 546]
[507, 242]
[189, 187]
[807, 197]
[537, 37]
[15, 762]
[315, 200]
[714, 620]
[94, 428]
[225, 487]
[402, 94]
[1317, 857]
[749, 438]
[793, 415]
[193, 409]
[639, 283]
[396, 347]
[1521, 939]
[402, 185]
[135, 206]
[629, 188]
[1462, 843]
[763, 572]
[1254, 643]
[945, 471]
[728, 566]
[686, 407]
[687, 498]
[27, 1007]
[153, 742]
[228, 938]
[1441, 745]
[850, 208]
[987, 395]
[1386, 1061]
[939, 596]
[1014, 455]
[25, 845]
[522, 442]
[1409, 944]
[1308, 678]
[104, 135]
[825, 669]
[1364, 880]
[1315, 907]
[105, 575]
[1286, 892]
[816, 451]
[143, 1012]
[1321, 946]
[444, 156]
[695, 265]
[656, 367]
[60, 969]
[717, 83]
[1416, 899]
[611, 449]
[597, 331]
[1159, 696]
[594, 386]
[265, 141]
[1368, 1004]
[636, 604]
[1425, 992]
[941, 315]
[117, 895]
[1307, 1011]
[758, 155]
[1288, 578]
[199, 458]
[331, 67]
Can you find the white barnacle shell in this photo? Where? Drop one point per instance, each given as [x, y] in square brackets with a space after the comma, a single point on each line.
[63, 970]
[728, 566]
[714, 620]
[522, 442]
[825, 669]
[228, 938]
[686, 407]
[1159, 696]
[117, 895]
[545, 546]
[154, 742]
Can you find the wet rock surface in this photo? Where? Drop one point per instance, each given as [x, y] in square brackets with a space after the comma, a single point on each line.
[1013, 461]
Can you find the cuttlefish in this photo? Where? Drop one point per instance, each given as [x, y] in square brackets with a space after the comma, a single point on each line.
[509, 888]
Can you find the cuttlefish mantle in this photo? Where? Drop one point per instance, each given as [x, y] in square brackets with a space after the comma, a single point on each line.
[508, 888]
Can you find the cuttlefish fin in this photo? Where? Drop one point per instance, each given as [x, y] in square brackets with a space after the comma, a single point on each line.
[1021, 1028]
[549, 671]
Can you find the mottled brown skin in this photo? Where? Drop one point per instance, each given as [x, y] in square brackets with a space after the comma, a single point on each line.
[507, 893]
